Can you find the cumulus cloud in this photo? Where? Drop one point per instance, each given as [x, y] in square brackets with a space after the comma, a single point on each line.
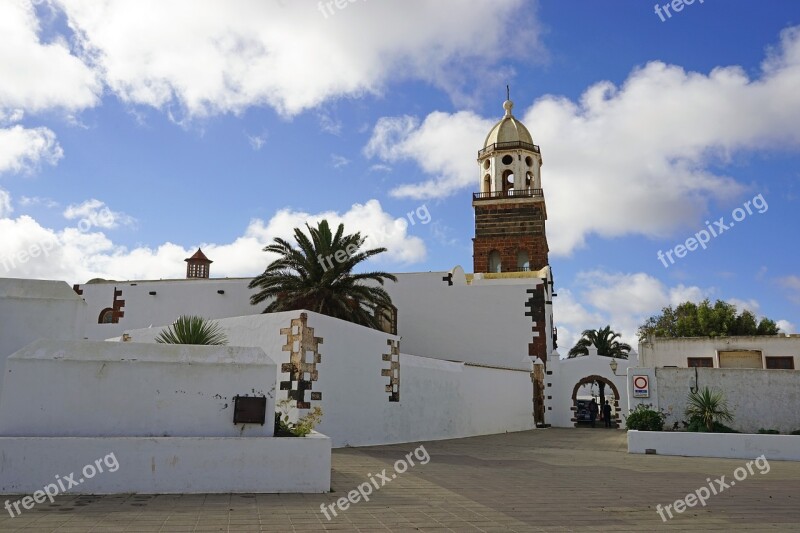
[640, 158]
[210, 57]
[40, 76]
[786, 326]
[82, 252]
[24, 149]
[96, 214]
[622, 300]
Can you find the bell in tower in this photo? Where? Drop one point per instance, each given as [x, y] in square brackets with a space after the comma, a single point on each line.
[510, 211]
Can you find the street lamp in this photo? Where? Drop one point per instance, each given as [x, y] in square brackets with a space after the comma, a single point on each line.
[614, 365]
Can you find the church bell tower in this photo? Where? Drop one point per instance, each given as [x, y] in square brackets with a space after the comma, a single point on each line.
[510, 211]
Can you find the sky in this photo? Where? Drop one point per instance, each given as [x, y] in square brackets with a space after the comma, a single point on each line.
[132, 133]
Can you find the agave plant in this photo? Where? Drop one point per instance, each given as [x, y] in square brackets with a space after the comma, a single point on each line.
[193, 330]
[708, 406]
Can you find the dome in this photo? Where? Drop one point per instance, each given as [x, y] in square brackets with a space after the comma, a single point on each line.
[508, 130]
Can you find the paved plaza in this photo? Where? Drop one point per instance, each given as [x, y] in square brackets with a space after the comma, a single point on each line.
[543, 480]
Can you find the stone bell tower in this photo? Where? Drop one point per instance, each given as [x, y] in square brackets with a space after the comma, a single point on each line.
[510, 211]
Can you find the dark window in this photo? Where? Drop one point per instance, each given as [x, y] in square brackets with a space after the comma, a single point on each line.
[701, 362]
[780, 363]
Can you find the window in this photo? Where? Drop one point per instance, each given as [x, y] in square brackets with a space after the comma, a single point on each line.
[701, 362]
[523, 264]
[780, 363]
[507, 159]
[740, 359]
[494, 262]
[106, 316]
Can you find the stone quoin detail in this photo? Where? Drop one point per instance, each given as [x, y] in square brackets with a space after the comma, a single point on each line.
[393, 372]
[302, 345]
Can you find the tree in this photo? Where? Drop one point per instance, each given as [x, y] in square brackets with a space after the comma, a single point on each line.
[709, 407]
[318, 276]
[705, 320]
[193, 330]
[605, 340]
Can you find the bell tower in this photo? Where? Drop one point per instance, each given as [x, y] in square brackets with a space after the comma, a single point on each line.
[510, 211]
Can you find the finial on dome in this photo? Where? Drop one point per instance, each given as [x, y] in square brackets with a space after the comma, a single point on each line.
[508, 105]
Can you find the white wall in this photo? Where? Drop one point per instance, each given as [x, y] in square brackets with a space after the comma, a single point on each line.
[660, 352]
[729, 445]
[87, 389]
[193, 465]
[767, 399]
[37, 309]
[484, 322]
[566, 373]
[172, 299]
[438, 399]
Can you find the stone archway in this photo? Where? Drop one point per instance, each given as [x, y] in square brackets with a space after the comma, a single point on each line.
[587, 381]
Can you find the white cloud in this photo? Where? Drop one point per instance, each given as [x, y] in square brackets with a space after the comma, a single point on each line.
[79, 253]
[27, 201]
[634, 159]
[38, 76]
[257, 141]
[742, 305]
[211, 57]
[5, 204]
[786, 326]
[339, 161]
[622, 300]
[95, 214]
[23, 149]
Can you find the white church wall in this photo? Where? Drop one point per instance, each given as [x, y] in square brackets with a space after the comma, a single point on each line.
[172, 298]
[663, 352]
[438, 399]
[89, 389]
[36, 309]
[482, 323]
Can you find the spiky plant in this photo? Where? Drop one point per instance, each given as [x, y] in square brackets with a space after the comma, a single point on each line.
[318, 276]
[193, 330]
[708, 406]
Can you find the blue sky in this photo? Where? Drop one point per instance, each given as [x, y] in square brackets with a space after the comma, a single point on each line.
[131, 133]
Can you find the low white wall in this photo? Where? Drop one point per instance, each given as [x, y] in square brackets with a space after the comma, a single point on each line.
[728, 445]
[83, 388]
[438, 399]
[767, 399]
[168, 465]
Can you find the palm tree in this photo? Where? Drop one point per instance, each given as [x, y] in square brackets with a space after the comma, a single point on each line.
[708, 406]
[193, 330]
[607, 345]
[318, 276]
[605, 342]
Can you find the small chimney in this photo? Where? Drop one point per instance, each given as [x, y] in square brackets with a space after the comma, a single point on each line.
[198, 266]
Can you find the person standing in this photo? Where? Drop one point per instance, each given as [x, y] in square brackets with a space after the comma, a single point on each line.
[593, 411]
[607, 414]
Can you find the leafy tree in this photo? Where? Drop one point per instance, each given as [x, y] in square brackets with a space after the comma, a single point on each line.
[709, 407]
[607, 345]
[318, 276]
[706, 320]
[193, 330]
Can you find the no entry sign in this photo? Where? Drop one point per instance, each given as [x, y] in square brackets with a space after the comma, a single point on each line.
[641, 387]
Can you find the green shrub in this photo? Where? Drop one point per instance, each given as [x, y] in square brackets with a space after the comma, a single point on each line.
[763, 431]
[697, 425]
[301, 428]
[708, 406]
[796, 432]
[643, 418]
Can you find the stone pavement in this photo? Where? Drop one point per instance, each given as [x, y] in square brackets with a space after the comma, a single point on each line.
[543, 480]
